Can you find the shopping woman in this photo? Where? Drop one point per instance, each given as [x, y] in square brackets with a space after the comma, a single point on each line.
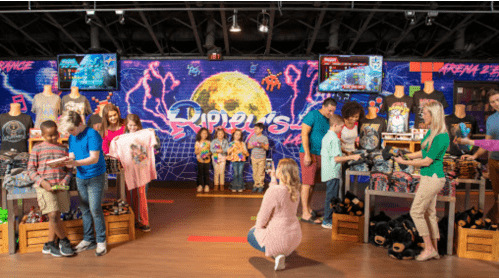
[433, 147]
[85, 151]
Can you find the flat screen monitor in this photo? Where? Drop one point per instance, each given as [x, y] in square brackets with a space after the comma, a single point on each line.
[350, 73]
[88, 71]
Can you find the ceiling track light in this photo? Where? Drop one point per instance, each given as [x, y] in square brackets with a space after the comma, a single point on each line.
[89, 16]
[411, 16]
[263, 20]
[431, 17]
[121, 16]
[235, 27]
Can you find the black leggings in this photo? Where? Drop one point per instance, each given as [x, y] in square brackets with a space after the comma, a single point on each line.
[203, 173]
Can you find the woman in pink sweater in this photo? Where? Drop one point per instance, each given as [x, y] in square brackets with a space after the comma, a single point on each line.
[112, 125]
[277, 231]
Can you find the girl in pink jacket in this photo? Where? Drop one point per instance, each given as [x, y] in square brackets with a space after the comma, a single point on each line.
[277, 231]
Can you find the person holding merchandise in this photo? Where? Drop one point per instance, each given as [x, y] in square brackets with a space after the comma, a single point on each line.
[420, 98]
[332, 158]
[397, 108]
[46, 106]
[112, 125]
[15, 128]
[315, 125]
[352, 112]
[237, 153]
[135, 150]
[50, 201]
[460, 125]
[433, 147]
[76, 102]
[218, 148]
[203, 156]
[277, 232]
[85, 153]
[370, 129]
[492, 134]
[259, 144]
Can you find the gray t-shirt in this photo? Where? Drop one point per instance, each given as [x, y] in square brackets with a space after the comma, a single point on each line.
[80, 105]
[258, 152]
[46, 108]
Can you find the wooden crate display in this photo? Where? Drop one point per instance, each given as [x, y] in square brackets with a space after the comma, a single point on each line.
[477, 244]
[32, 236]
[120, 228]
[4, 238]
[348, 228]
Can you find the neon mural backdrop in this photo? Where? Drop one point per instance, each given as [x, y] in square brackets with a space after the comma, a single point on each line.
[177, 98]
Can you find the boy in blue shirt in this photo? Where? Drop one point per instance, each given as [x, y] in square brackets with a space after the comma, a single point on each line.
[331, 166]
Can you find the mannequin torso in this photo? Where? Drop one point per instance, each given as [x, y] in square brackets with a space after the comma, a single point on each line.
[371, 113]
[47, 90]
[460, 111]
[428, 87]
[399, 91]
[75, 93]
[15, 109]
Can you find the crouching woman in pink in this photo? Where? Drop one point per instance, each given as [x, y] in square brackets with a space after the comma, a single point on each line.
[277, 231]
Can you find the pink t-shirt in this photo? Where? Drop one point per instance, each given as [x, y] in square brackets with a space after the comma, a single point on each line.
[136, 153]
[109, 137]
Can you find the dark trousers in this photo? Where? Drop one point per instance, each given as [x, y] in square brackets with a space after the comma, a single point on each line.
[203, 173]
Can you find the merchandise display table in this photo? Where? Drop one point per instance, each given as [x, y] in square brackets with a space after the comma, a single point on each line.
[412, 146]
[33, 141]
[450, 210]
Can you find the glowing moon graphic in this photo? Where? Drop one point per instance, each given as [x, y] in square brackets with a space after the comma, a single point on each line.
[232, 92]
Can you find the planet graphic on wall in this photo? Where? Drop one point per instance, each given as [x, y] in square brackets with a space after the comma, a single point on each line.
[232, 92]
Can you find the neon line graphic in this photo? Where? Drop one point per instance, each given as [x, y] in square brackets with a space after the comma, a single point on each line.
[294, 85]
[12, 90]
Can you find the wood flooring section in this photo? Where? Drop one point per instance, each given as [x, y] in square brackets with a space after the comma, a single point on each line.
[166, 251]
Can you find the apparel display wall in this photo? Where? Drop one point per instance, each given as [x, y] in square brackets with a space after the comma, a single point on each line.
[176, 97]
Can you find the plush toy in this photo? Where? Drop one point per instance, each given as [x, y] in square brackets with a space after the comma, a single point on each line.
[399, 221]
[464, 219]
[401, 243]
[353, 204]
[379, 230]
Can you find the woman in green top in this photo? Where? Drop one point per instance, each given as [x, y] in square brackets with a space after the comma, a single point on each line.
[433, 147]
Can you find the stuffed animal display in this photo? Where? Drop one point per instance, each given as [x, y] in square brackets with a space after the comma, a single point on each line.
[351, 205]
[472, 219]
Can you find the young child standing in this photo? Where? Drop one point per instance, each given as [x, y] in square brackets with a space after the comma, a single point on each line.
[332, 158]
[137, 197]
[218, 148]
[202, 151]
[259, 144]
[237, 153]
[51, 202]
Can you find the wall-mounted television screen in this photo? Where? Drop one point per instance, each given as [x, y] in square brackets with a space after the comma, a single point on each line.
[350, 73]
[88, 71]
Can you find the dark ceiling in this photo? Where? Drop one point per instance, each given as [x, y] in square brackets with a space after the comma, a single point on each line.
[461, 30]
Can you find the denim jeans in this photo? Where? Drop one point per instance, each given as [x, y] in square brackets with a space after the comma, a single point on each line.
[332, 188]
[91, 191]
[238, 181]
[252, 240]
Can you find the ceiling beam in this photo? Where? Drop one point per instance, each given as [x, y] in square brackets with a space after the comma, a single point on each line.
[360, 32]
[317, 27]
[11, 53]
[13, 25]
[195, 29]
[465, 22]
[224, 29]
[150, 30]
[484, 41]
[269, 34]
[54, 22]
[402, 37]
[106, 30]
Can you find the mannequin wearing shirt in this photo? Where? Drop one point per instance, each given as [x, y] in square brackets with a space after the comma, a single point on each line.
[424, 96]
[397, 108]
[370, 129]
[14, 129]
[460, 125]
[15, 109]
[76, 102]
[46, 106]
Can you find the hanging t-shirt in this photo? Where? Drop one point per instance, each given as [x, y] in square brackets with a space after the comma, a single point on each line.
[349, 136]
[370, 133]
[136, 153]
[46, 108]
[80, 105]
[397, 112]
[15, 132]
[94, 121]
[420, 98]
[461, 128]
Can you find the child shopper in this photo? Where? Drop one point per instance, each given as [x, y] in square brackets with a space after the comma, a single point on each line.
[259, 144]
[237, 153]
[218, 148]
[50, 201]
[202, 151]
[332, 158]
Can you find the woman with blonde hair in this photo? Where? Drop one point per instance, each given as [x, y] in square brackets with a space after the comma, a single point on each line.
[433, 147]
[277, 231]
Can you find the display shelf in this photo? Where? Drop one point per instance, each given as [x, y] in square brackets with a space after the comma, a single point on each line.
[348, 228]
[477, 244]
[412, 146]
[33, 141]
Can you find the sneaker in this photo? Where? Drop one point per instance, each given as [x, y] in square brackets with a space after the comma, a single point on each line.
[51, 249]
[260, 190]
[240, 190]
[206, 189]
[145, 228]
[65, 248]
[327, 225]
[101, 249]
[254, 189]
[200, 189]
[85, 245]
[280, 262]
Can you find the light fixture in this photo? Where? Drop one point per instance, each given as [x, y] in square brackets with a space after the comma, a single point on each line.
[431, 17]
[88, 17]
[263, 21]
[121, 16]
[411, 16]
[235, 27]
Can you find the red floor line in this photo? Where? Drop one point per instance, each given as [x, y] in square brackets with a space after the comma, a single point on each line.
[160, 201]
[217, 239]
